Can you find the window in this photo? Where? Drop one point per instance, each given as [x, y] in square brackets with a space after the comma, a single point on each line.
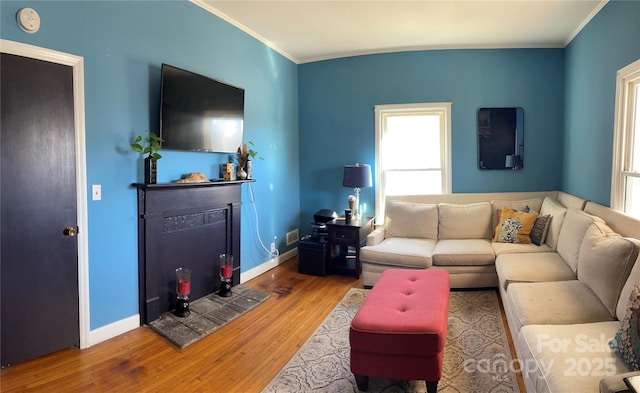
[413, 150]
[625, 177]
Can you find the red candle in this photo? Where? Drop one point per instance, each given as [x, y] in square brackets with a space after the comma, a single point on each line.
[183, 287]
[225, 271]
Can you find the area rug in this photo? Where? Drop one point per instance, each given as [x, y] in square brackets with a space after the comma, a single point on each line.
[477, 358]
[208, 314]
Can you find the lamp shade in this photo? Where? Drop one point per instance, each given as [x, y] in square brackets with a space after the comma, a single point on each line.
[358, 175]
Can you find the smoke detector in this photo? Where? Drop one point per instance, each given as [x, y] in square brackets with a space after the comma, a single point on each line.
[28, 20]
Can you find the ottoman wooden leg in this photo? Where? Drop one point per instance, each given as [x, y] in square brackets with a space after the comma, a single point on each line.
[432, 386]
[363, 382]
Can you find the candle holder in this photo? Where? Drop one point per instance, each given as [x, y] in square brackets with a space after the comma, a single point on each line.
[226, 271]
[183, 290]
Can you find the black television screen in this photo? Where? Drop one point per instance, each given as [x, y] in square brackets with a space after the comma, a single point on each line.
[198, 113]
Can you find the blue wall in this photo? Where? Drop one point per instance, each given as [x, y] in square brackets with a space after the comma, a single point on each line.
[123, 44]
[337, 116]
[608, 43]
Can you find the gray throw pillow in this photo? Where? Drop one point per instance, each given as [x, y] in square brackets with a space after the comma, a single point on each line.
[540, 228]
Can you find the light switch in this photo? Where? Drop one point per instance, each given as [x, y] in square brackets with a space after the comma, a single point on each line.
[96, 192]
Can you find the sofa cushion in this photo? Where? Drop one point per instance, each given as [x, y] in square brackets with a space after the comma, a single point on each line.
[517, 248]
[557, 213]
[540, 229]
[626, 342]
[483, 276]
[463, 252]
[604, 262]
[555, 303]
[470, 221]
[406, 219]
[514, 226]
[398, 251]
[538, 267]
[574, 227]
[567, 358]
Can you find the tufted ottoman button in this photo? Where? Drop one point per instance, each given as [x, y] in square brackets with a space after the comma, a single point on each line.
[400, 330]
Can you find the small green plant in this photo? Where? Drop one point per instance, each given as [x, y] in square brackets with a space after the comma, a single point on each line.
[252, 153]
[246, 153]
[149, 145]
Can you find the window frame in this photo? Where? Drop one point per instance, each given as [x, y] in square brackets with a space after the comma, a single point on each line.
[442, 109]
[626, 79]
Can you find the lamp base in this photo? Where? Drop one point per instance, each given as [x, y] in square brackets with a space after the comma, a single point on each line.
[356, 211]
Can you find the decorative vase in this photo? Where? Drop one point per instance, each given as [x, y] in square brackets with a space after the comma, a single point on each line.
[249, 168]
[150, 170]
[241, 174]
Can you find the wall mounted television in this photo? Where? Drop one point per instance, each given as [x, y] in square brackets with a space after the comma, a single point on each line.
[198, 113]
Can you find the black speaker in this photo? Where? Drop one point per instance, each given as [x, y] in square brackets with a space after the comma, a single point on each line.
[312, 256]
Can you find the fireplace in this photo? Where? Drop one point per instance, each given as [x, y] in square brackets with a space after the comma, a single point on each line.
[182, 225]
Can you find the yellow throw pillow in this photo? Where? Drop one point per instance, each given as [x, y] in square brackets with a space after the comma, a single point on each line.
[514, 226]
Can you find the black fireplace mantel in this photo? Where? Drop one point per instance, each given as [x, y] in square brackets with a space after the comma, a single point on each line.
[185, 225]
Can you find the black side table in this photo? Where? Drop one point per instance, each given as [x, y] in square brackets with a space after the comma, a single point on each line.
[345, 240]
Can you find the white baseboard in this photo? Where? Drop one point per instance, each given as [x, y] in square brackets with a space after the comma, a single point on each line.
[265, 267]
[114, 329]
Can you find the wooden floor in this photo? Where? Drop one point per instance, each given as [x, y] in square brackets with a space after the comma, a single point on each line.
[243, 356]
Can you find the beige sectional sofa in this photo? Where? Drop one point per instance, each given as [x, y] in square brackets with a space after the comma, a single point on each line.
[454, 232]
[564, 299]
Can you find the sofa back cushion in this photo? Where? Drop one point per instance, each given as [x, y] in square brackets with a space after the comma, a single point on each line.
[571, 201]
[575, 225]
[620, 222]
[557, 213]
[604, 261]
[407, 219]
[469, 221]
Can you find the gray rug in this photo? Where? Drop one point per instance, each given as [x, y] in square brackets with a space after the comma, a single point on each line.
[477, 358]
[208, 314]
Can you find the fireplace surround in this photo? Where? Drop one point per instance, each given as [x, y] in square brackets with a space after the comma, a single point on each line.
[185, 225]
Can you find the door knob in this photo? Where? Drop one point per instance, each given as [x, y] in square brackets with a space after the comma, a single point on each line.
[69, 231]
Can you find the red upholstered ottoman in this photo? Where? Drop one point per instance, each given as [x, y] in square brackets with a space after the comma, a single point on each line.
[400, 330]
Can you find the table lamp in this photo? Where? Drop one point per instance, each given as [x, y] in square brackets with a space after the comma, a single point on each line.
[357, 176]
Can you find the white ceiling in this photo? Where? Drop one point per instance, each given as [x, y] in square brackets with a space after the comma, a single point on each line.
[305, 30]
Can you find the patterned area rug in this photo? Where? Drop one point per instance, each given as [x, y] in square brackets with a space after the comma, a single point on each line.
[208, 314]
[476, 357]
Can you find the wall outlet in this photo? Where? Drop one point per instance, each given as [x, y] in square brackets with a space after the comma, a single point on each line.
[96, 192]
[292, 237]
[273, 247]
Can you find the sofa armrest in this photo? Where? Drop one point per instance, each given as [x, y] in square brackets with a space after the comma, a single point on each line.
[615, 384]
[375, 237]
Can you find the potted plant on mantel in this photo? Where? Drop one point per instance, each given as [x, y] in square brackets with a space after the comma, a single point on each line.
[149, 145]
[244, 156]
